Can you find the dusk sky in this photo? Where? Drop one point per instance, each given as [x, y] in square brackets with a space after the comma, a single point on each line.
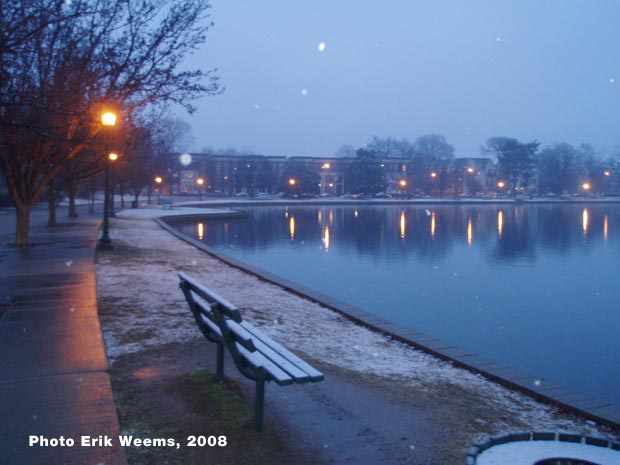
[546, 70]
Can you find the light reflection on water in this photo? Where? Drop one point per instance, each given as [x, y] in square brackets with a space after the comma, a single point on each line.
[533, 287]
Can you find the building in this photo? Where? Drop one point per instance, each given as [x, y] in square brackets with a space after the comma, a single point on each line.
[229, 175]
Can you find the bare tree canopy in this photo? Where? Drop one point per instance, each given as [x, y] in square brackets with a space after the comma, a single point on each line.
[62, 63]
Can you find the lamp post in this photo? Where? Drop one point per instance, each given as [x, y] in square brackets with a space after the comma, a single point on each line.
[158, 181]
[586, 186]
[105, 243]
[402, 186]
[200, 183]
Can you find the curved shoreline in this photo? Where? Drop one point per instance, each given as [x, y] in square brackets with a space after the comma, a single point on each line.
[600, 411]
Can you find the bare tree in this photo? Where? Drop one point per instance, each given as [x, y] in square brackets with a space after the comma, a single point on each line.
[71, 61]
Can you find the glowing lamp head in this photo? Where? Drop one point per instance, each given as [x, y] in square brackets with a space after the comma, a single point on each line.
[586, 186]
[501, 184]
[292, 182]
[158, 179]
[433, 175]
[200, 181]
[403, 183]
[607, 173]
[326, 166]
[113, 156]
[108, 119]
[470, 170]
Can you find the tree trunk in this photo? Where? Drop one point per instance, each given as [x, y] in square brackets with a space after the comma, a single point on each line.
[121, 188]
[72, 192]
[23, 224]
[51, 202]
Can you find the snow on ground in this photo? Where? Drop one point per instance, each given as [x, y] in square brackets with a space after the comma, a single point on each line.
[142, 306]
[529, 452]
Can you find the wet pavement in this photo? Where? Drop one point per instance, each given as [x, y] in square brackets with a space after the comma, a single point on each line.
[53, 379]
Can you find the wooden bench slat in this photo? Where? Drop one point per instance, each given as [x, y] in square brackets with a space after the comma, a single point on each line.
[263, 346]
[312, 372]
[260, 361]
[241, 332]
[257, 359]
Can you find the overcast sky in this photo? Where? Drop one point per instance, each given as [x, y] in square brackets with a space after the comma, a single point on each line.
[531, 69]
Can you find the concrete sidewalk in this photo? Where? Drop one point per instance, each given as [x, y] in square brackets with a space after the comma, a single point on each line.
[53, 379]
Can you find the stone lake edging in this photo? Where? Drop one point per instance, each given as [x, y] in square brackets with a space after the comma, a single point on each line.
[603, 412]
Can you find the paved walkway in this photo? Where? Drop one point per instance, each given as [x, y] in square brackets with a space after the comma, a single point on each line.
[53, 379]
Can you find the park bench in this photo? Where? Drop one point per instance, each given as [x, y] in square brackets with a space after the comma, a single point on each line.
[256, 355]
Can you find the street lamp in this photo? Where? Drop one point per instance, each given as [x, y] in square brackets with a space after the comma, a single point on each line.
[586, 186]
[105, 243]
[292, 181]
[403, 185]
[200, 182]
[158, 181]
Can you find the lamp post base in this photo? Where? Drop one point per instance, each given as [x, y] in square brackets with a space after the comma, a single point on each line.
[105, 243]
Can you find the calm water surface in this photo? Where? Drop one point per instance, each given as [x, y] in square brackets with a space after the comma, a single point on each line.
[533, 287]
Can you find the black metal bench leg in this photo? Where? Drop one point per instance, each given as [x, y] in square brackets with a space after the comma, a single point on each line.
[259, 400]
[219, 373]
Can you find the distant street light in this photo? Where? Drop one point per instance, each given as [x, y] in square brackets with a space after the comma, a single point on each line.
[105, 243]
[326, 166]
[403, 183]
[607, 173]
[108, 119]
[501, 184]
[292, 181]
[433, 175]
[470, 170]
[158, 181]
[200, 182]
[586, 186]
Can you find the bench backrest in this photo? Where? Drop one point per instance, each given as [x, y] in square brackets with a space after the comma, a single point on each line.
[212, 299]
[214, 315]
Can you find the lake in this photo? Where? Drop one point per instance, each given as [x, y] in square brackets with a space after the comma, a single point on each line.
[534, 287]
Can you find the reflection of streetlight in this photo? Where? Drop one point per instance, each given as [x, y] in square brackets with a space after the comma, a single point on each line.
[158, 181]
[200, 182]
[105, 243]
